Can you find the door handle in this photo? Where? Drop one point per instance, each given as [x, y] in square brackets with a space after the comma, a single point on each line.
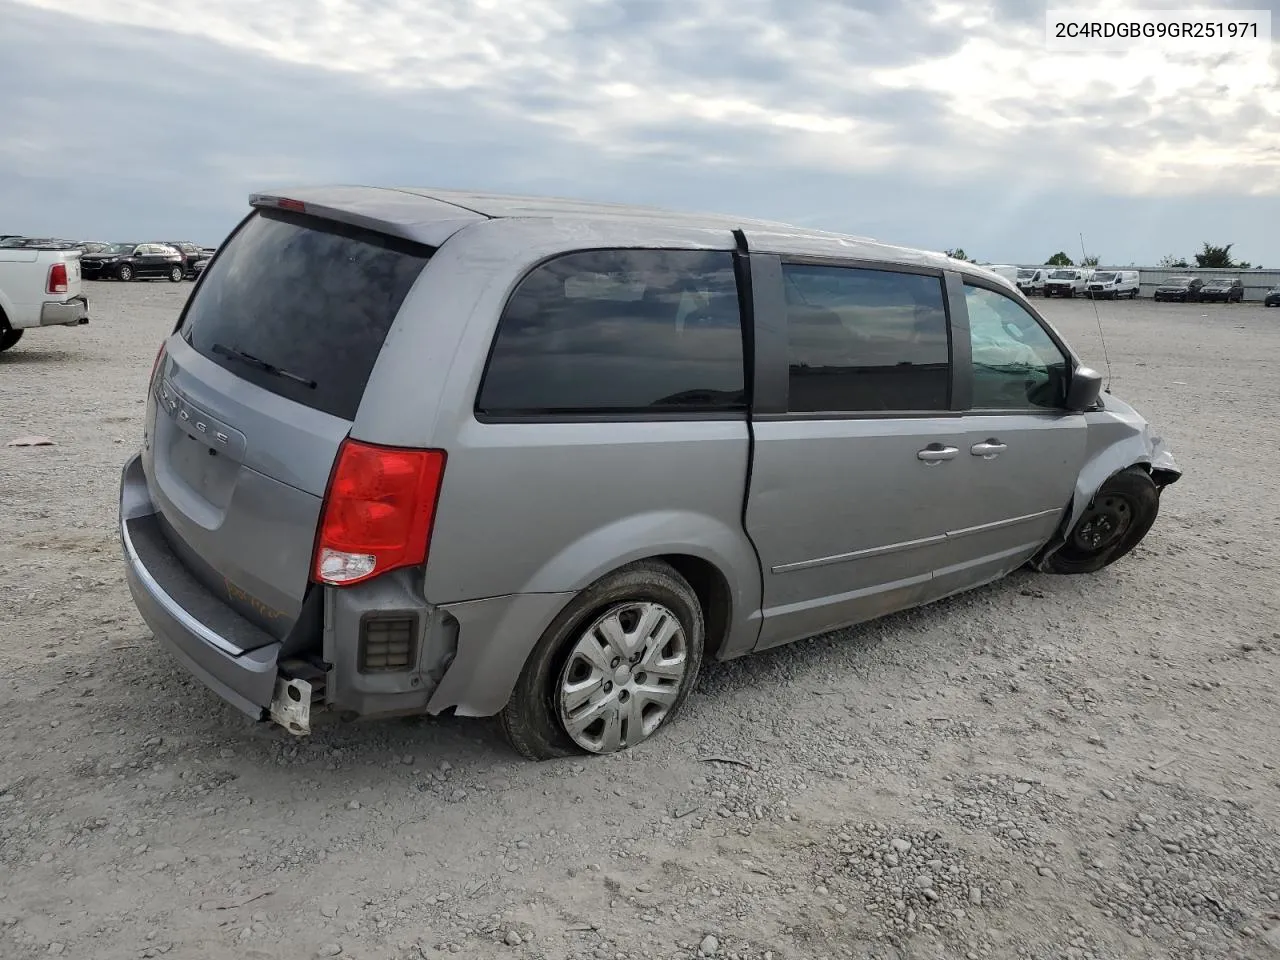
[936, 453]
[988, 449]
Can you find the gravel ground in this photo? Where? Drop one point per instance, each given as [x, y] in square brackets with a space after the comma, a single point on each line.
[1079, 767]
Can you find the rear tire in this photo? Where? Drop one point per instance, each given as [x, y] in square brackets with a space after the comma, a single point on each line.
[125, 272]
[8, 337]
[175, 275]
[575, 657]
[1115, 521]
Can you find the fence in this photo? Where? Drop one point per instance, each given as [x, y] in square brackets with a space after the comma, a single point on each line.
[1256, 282]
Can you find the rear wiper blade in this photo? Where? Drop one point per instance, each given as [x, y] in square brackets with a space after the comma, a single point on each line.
[252, 361]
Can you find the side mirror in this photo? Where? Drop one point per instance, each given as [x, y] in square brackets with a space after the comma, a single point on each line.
[1084, 388]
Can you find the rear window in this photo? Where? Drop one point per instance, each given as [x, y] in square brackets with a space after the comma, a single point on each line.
[622, 331]
[311, 298]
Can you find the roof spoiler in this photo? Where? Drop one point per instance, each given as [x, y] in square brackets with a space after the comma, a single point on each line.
[389, 212]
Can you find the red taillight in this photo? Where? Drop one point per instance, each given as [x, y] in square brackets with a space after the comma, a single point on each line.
[378, 512]
[57, 279]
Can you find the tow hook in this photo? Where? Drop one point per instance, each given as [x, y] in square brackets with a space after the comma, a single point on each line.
[291, 705]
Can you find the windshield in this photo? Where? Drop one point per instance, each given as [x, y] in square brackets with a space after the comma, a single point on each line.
[1103, 277]
[1219, 283]
[1062, 275]
[1177, 281]
[1026, 274]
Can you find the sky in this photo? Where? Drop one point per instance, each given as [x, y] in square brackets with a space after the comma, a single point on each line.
[928, 123]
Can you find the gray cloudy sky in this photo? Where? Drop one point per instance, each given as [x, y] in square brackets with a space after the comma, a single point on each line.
[932, 123]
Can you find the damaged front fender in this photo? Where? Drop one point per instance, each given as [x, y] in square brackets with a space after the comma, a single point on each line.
[1119, 437]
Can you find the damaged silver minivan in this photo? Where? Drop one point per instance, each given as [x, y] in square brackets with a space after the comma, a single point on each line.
[413, 451]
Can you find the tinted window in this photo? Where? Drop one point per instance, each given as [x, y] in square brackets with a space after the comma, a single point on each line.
[1016, 364]
[311, 298]
[620, 330]
[865, 340]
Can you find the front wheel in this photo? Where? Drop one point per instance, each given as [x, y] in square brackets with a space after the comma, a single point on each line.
[1115, 521]
[175, 274]
[613, 668]
[125, 272]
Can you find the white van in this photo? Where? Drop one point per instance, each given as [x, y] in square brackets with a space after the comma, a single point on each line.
[1030, 280]
[1113, 284]
[1066, 282]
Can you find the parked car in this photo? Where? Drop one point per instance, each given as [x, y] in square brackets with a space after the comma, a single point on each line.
[1181, 289]
[565, 481]
[91, 246]
[1113, 284]
[191, 252]
[1225, 289]
[1031, 280]
[134, 261]
[1066, 282]
[1272, 299]
[39, 287]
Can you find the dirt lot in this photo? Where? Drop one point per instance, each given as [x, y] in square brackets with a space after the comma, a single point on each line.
[1050, 767]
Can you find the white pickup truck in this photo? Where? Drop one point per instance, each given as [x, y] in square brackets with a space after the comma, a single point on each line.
[39, 287]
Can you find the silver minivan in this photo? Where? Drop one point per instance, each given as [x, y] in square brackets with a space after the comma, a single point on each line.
[415, 451]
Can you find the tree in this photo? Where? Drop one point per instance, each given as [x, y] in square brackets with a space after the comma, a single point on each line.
[1212, 256]
[1173, 263]
[1060, 259]
[1089, 262]
[956, 254]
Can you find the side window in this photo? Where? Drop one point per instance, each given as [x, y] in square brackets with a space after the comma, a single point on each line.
[1016, 365]
[864, 340]
[630, 331]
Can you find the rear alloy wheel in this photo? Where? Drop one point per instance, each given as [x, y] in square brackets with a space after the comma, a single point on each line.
[175, 274]
[125, 272]
[612, 669]
[1114, 522]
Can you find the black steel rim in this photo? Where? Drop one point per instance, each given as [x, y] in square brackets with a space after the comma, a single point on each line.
[1104, 523]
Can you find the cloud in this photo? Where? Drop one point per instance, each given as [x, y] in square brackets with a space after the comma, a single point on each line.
[740, 103]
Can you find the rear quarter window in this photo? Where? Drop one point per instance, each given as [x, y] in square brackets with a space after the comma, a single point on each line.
[312, 298]
[619, 331]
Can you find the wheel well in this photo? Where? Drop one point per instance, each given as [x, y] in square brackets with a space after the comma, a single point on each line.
[713, 594]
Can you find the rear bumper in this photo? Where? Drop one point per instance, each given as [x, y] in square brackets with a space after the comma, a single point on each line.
[179, 609]
[69, 313]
